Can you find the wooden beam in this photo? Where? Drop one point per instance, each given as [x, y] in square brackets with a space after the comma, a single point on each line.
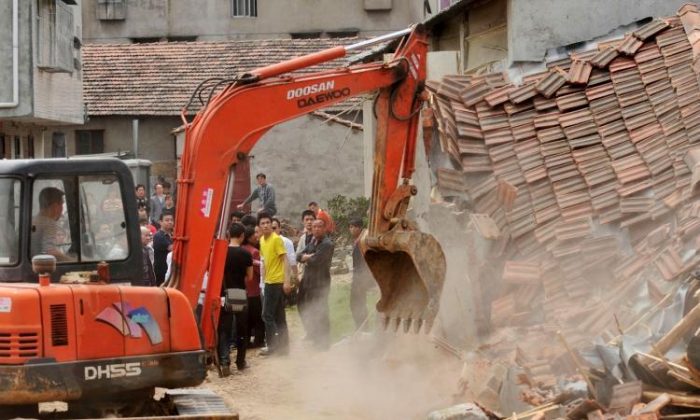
[677, 399]
[688, 323]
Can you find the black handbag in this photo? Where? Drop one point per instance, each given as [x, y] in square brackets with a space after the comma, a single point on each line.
[235, 300]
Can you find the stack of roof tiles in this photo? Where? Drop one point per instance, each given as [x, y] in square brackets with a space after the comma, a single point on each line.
[582, 169]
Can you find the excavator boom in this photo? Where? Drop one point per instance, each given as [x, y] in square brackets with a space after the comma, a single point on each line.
[230, 125]
[83, 335]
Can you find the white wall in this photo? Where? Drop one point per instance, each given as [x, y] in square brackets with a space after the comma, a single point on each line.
[537, 25]
[308, 160]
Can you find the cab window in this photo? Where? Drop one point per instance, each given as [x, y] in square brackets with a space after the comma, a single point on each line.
[51, 228]
[10, 192]
[102, 209]
[79, 219]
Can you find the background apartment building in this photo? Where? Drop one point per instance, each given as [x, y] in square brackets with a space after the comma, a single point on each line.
[153, 20]
[144, 59]
[40, 76]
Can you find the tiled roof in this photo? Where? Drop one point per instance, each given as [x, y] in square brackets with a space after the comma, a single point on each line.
[591, 149]
[158, 78]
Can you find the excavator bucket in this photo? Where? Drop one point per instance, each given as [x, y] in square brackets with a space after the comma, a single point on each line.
[409, 267]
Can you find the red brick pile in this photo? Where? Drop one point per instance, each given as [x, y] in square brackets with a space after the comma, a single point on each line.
[584, 176]
[584, 169]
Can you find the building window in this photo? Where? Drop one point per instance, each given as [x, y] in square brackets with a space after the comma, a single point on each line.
[350, 33]
[305, 35]
[181, 38]
[146, 40]
[89, 142]
[58, 145]
[30, 147]
[244, 8]
[17, 148]
[111, 9]
[55, 44]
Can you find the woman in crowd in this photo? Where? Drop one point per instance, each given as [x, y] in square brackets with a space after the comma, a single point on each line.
[256, 327]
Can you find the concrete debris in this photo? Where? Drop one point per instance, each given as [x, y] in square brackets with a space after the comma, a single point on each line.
[465, 411]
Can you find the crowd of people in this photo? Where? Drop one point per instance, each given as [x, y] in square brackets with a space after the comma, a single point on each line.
[156, 220]
[264, 272]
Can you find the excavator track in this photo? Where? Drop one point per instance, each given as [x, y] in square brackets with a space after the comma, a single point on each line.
[180, 404]
[199, 403]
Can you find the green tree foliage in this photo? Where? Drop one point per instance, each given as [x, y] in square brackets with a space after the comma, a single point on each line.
[343, 209]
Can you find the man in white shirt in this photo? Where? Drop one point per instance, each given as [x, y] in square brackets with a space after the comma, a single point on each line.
[289, 246]
[45, 225]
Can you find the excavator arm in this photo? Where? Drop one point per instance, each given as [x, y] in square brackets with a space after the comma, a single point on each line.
[408, 265]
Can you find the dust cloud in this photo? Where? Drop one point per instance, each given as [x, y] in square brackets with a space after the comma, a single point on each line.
[377, 375]
[380, 376]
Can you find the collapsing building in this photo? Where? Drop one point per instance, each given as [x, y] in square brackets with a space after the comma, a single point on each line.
[584, 176]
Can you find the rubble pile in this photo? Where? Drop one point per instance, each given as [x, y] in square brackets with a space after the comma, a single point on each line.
[584, 176]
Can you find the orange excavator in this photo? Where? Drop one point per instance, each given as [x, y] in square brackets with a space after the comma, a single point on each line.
[83, 334]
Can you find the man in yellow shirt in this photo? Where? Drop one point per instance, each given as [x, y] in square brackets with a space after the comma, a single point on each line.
[277, 284]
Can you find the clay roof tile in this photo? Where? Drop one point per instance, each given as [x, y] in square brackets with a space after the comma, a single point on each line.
[548, 85]
[604, 57]
[523, 93]
[630, 45]
[580, 71]
[650, 29]
[158, 78]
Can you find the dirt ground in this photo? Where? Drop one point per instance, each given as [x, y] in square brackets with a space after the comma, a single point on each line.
[368, 376]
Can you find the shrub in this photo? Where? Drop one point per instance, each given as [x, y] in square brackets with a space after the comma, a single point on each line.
[343, 209]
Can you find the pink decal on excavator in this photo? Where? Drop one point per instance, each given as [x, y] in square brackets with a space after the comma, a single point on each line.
[130, 322]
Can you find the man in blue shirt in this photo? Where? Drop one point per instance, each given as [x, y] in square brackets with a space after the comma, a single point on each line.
[265, 193]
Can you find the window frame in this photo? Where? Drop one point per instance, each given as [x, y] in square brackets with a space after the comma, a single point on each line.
[58, 144]
[56, 31]
[250, 6]
[19, 220]
[111, 9]
[93, 150]
[29, 152]
[16, 147]
[78, 223]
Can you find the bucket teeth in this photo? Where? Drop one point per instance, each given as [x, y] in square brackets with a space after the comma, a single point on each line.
[428, 326]
[416, 325]
[407, 325]
[385, 323]
[397, 323]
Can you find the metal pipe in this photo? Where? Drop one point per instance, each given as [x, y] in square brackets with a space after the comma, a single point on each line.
[313, 59]
[228, 194]
[15, 58]
[379, 39]
[135, 136]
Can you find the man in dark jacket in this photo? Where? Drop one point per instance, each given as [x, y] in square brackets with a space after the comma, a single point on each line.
[162, 244]
[142, 202]
[362, 280]
[315, 286]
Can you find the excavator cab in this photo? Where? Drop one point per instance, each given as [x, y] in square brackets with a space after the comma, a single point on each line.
[77, 210]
